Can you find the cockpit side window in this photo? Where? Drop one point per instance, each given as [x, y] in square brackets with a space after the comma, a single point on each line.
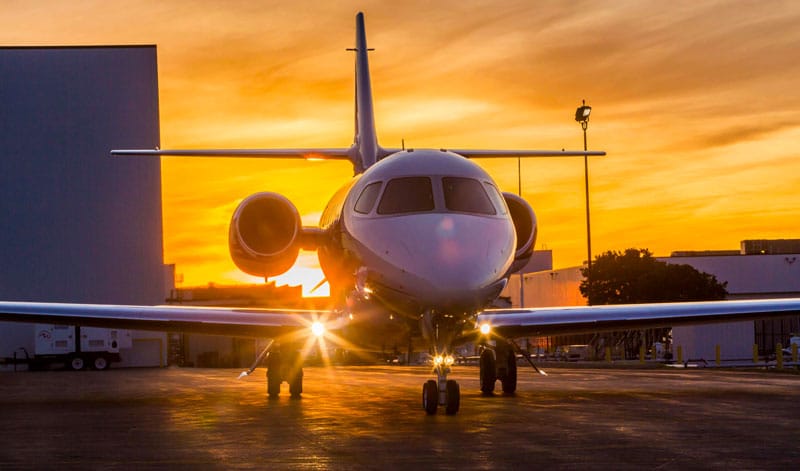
[366, 200]
[466, 195]
[407, 195]
[497, 197]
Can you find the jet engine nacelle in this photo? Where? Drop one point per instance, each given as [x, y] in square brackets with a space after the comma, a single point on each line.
[525, 226]
[263, 235]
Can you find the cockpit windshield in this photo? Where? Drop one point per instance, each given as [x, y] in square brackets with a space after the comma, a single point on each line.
[466, 195]
[496, 197]
[407, 195]
[366, 200]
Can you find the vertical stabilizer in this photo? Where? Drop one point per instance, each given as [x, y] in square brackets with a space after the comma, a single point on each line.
[366, 141]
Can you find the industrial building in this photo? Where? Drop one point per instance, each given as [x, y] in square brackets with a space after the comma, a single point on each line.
[79, 226]
[759, 269]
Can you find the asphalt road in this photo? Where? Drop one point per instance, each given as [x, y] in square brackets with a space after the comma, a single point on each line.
[371, 418]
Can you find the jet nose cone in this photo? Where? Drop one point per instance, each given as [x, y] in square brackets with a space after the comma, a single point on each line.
[465, 254]
[440, 260]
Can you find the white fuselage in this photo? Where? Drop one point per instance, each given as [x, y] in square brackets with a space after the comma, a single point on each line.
[431, 232]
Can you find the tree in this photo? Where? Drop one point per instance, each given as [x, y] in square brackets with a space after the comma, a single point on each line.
[634, 276]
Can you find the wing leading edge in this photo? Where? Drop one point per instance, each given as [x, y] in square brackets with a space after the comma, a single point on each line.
[254, 323]
[515, 323]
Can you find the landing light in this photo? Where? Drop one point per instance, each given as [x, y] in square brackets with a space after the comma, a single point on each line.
[317, 328]
[447, 360]
[485, 329]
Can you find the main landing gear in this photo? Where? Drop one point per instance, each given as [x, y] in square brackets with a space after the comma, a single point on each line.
[498, 363]
[284, 365]
[442, 392]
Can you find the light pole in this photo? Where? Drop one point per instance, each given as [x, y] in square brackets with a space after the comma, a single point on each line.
[582, 116]
[521, 273]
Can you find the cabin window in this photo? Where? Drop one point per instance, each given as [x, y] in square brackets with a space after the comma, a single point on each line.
[407, 195]
[366, 200]
[496, 197]
[466, 195]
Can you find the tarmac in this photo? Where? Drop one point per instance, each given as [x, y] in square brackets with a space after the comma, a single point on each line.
[372, 418]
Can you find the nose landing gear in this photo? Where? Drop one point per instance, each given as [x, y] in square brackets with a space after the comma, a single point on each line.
[440, 329]
[442, 392]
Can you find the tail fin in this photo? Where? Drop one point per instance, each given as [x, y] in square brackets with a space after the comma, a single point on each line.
[366, 140]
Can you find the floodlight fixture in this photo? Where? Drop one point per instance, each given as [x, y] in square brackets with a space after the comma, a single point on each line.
[582, 113]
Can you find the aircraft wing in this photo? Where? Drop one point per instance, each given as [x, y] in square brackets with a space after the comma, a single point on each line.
[255, 323]
[534, 322]
[300, 153]
[490, 154]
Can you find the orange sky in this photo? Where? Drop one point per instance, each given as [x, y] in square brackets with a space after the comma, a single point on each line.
[697, 105]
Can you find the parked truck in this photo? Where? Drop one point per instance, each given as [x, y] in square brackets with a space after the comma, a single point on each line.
[75, 347]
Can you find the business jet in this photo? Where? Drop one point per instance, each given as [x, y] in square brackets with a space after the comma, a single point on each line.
[419, 239]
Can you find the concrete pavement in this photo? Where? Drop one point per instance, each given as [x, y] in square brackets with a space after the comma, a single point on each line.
[372, 418]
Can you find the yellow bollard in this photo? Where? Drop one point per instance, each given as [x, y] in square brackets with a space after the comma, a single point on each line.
[718, 354]
[779, 356]
[794, 353]
[642, 354]
[680, 354]
[755, 353]
[608, 354]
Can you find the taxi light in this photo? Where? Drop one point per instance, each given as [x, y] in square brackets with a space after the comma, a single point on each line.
[317, 328]
[485, 329]
[447, 360]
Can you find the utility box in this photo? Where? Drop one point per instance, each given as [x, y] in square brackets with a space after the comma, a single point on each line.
[60, 339]
[78, 347]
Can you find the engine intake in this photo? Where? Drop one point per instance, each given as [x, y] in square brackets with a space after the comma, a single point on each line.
[263, 235]
[526, 228]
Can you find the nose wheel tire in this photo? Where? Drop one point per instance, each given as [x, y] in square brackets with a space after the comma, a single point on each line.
[453, 397]
[430, 397]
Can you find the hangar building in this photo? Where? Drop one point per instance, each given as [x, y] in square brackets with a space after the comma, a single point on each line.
[78, 225]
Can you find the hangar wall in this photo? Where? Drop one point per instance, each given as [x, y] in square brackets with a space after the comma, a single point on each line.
[78, 225]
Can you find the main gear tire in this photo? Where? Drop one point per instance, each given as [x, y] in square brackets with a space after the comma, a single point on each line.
[488, 368]
[509, 382]
[274, 379]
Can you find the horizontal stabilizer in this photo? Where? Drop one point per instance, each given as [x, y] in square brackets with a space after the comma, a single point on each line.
[493, 154]
[301, 153]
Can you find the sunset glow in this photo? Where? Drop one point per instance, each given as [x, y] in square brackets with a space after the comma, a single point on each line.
[697, 105]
